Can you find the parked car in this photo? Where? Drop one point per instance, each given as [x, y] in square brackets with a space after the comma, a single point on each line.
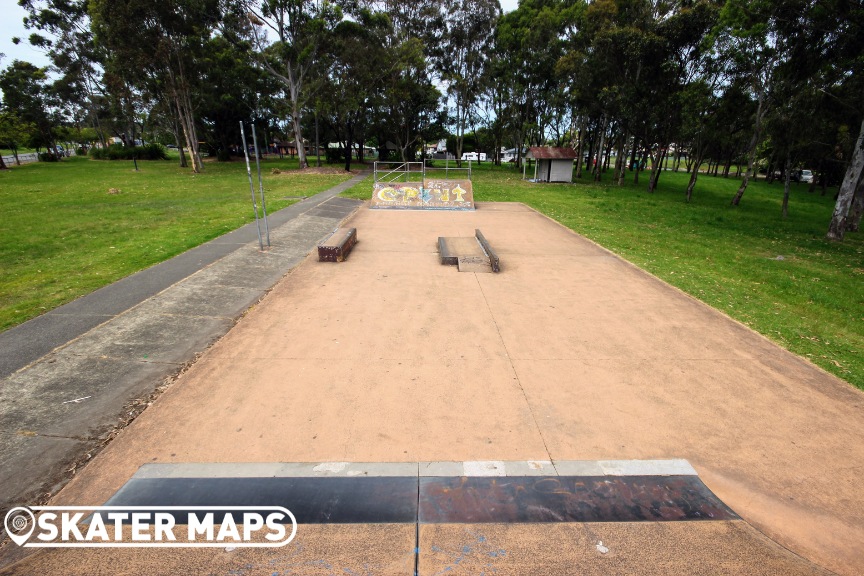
[805, 176]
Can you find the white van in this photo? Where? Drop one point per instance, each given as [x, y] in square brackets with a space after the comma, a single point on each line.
[474, 156]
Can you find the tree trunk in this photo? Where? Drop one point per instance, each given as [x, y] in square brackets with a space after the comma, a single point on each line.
[694, 175]
[580, 148]
[812, 187]
[620, 160]
[349, 136]
[3, 163]
[656, 166]
[598, 164]
[839, 219]
[608, 155]
[786, 169]
[854, 224]
[751, 149]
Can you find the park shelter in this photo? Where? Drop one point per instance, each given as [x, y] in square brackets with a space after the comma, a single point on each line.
[552, 164]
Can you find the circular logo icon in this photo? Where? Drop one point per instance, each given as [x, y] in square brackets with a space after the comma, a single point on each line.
[19, 524]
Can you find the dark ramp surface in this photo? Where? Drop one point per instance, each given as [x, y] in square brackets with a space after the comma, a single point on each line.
[443, 500]
[407, 524]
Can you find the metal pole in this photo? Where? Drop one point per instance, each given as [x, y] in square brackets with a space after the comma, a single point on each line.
[261, 185]
[317, 145]
[251, 185]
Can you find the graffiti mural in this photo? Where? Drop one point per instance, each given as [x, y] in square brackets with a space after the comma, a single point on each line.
[430, 195]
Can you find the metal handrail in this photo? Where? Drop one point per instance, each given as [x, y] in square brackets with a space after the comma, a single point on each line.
[402, 168]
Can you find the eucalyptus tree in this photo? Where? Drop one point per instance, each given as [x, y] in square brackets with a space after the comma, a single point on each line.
[14, 132]
[26, 93]
[836, 36]
[462, 56]
[61, 28]
[530, 41]
[408, 109]
[290, 37]
[354, 75]
[747, 38]
[157, 45]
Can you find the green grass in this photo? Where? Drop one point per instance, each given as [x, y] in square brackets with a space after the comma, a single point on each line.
[811, 301]
[8, 151]
[62, 235]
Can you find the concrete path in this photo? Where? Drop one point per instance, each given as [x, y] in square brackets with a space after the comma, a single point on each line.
[73, 374]
[569, 353]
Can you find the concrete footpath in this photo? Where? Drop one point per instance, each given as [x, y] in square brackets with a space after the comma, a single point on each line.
[73, 374]
[568, 354]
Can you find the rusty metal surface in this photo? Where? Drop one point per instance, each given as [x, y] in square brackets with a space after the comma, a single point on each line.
[546, 152]
[568, 499]
[443, 500]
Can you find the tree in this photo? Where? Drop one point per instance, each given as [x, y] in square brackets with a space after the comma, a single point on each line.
[748, 40]
[14, 132]
[462, 56]
[530, 42]
[157, 45]
[25, 91]
[409, 110]
[354, 74]
[300, 29]
[62, 29]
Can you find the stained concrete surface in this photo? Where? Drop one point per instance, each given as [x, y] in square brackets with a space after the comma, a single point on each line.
[317, 550]
[568, 354]
[647, 548]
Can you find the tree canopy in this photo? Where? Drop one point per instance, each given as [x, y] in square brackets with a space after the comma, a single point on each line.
[727, 87]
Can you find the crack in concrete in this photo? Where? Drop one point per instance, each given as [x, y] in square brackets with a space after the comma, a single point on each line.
[513, 367]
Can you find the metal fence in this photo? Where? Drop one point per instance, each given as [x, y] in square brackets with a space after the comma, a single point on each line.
[386, 171]
[23, 158]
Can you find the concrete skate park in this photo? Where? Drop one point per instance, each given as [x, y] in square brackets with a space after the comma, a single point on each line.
[568, 414]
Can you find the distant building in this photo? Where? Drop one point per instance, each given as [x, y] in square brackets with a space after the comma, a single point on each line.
[552, 164]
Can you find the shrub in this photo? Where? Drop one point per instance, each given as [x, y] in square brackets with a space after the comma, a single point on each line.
[119, 152]
[48, 157]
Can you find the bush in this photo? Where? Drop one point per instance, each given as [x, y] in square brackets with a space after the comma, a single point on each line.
[80, 151]
[48, 157]
[335, 155]
[223, 155]
[119, 152]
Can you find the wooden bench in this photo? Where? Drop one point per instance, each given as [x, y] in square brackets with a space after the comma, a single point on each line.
[337, 247]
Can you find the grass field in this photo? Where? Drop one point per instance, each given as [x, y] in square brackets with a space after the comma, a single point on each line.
[780, 277]
[63, 235]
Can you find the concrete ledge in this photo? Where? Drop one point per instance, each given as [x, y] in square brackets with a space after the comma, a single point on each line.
[474, 468]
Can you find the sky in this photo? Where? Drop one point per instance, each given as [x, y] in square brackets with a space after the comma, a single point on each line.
[11, 25]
